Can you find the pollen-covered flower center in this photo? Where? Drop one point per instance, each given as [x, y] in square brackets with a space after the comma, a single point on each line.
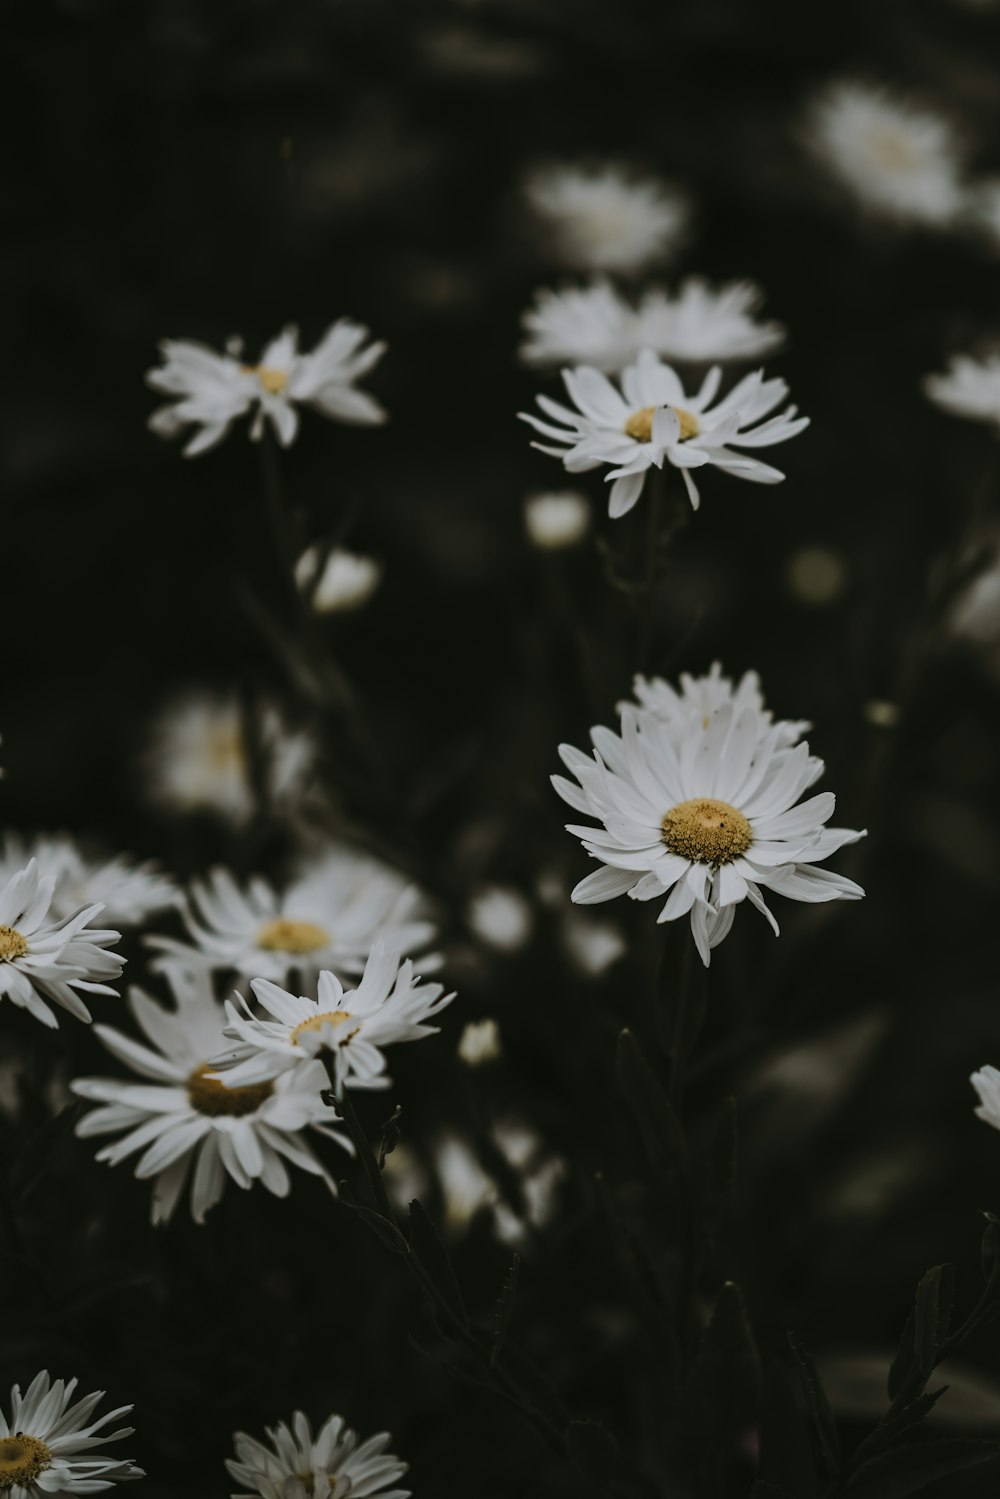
[273, 381]
[22, 1458]
[211, 1097]
[12, 944]
[706, 831]
[317, 1022]
[640, 424]
[285, 935]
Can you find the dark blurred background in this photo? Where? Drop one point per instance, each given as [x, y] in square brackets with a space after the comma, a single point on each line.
[196, 169]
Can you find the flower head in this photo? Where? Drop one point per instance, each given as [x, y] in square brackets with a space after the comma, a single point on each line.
[178, 1117]
[47, 1444]
[298, 1465]
[45, 957]
[969, 387]
[898, 161]
[606, 219]
[390, 1004]
[203, 751]
[338, 581]
[128, 892]
[651, 420]
[556, 520]
[703, 813]
[701, 697]
[595, 325]
[210, 391]
[329, 917]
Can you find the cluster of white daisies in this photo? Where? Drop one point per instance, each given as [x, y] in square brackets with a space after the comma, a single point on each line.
[699, 800]
[47, 1447]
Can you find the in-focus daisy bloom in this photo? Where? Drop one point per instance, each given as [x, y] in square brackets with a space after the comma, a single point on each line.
[652, 420]
[987, 1085]
[47, 1443]
[182, 1123]
[329, 917]
[698, 699]
[704, 819]
[128, 892]
[556, 520]
[899, 162]
[969, 387]
[335, 1464]
[337, 581]
[391, 1004]
[45, 957]
[210, 391]
[606, 219]
[203, 749]
[479, 1043]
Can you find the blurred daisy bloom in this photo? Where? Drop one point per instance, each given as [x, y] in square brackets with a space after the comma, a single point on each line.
[203, 750]
[580, 325]
[128, 892]
[556, 520]
[987, 1085]
[337, 581]
[606, 219]
[707, 324]
[330, 917]
[298, 1465]
[900, 162]
[596, 326]
[46, 1445]
[180, 1118]
[698, 699]
[390, 1005]
[212, 390]
[706, 819]
[969, 387]
[45, 957]
[652, 421]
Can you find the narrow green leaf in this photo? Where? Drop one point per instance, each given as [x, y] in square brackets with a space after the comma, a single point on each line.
[824, 1425]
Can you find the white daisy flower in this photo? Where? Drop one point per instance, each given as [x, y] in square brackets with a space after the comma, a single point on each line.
[467, 1188]
[501, 917]
[338, 581]
[898, 161]
[212, 390]
[581, 325]
[987, 1085]
[202, 752]
[556, 520]
[606, 219]
[702, 696]
[298, 1465]
[390, 1004]
[329, 917]
[652, 421]
[45, 957]
[479, 1043]
[595, 325]
[969, 387]
[180, 1117]
[46, 1444]
[706, 818]
[707, 324]
[129, 892]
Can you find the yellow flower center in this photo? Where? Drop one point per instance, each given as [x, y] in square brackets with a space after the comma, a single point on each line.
[209, 1096]
[272, 380]
[706, 831]
[640, 423]
[284, 935]
[317, 1022]
[22, 1458]
[892, 151]
[12, 944]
